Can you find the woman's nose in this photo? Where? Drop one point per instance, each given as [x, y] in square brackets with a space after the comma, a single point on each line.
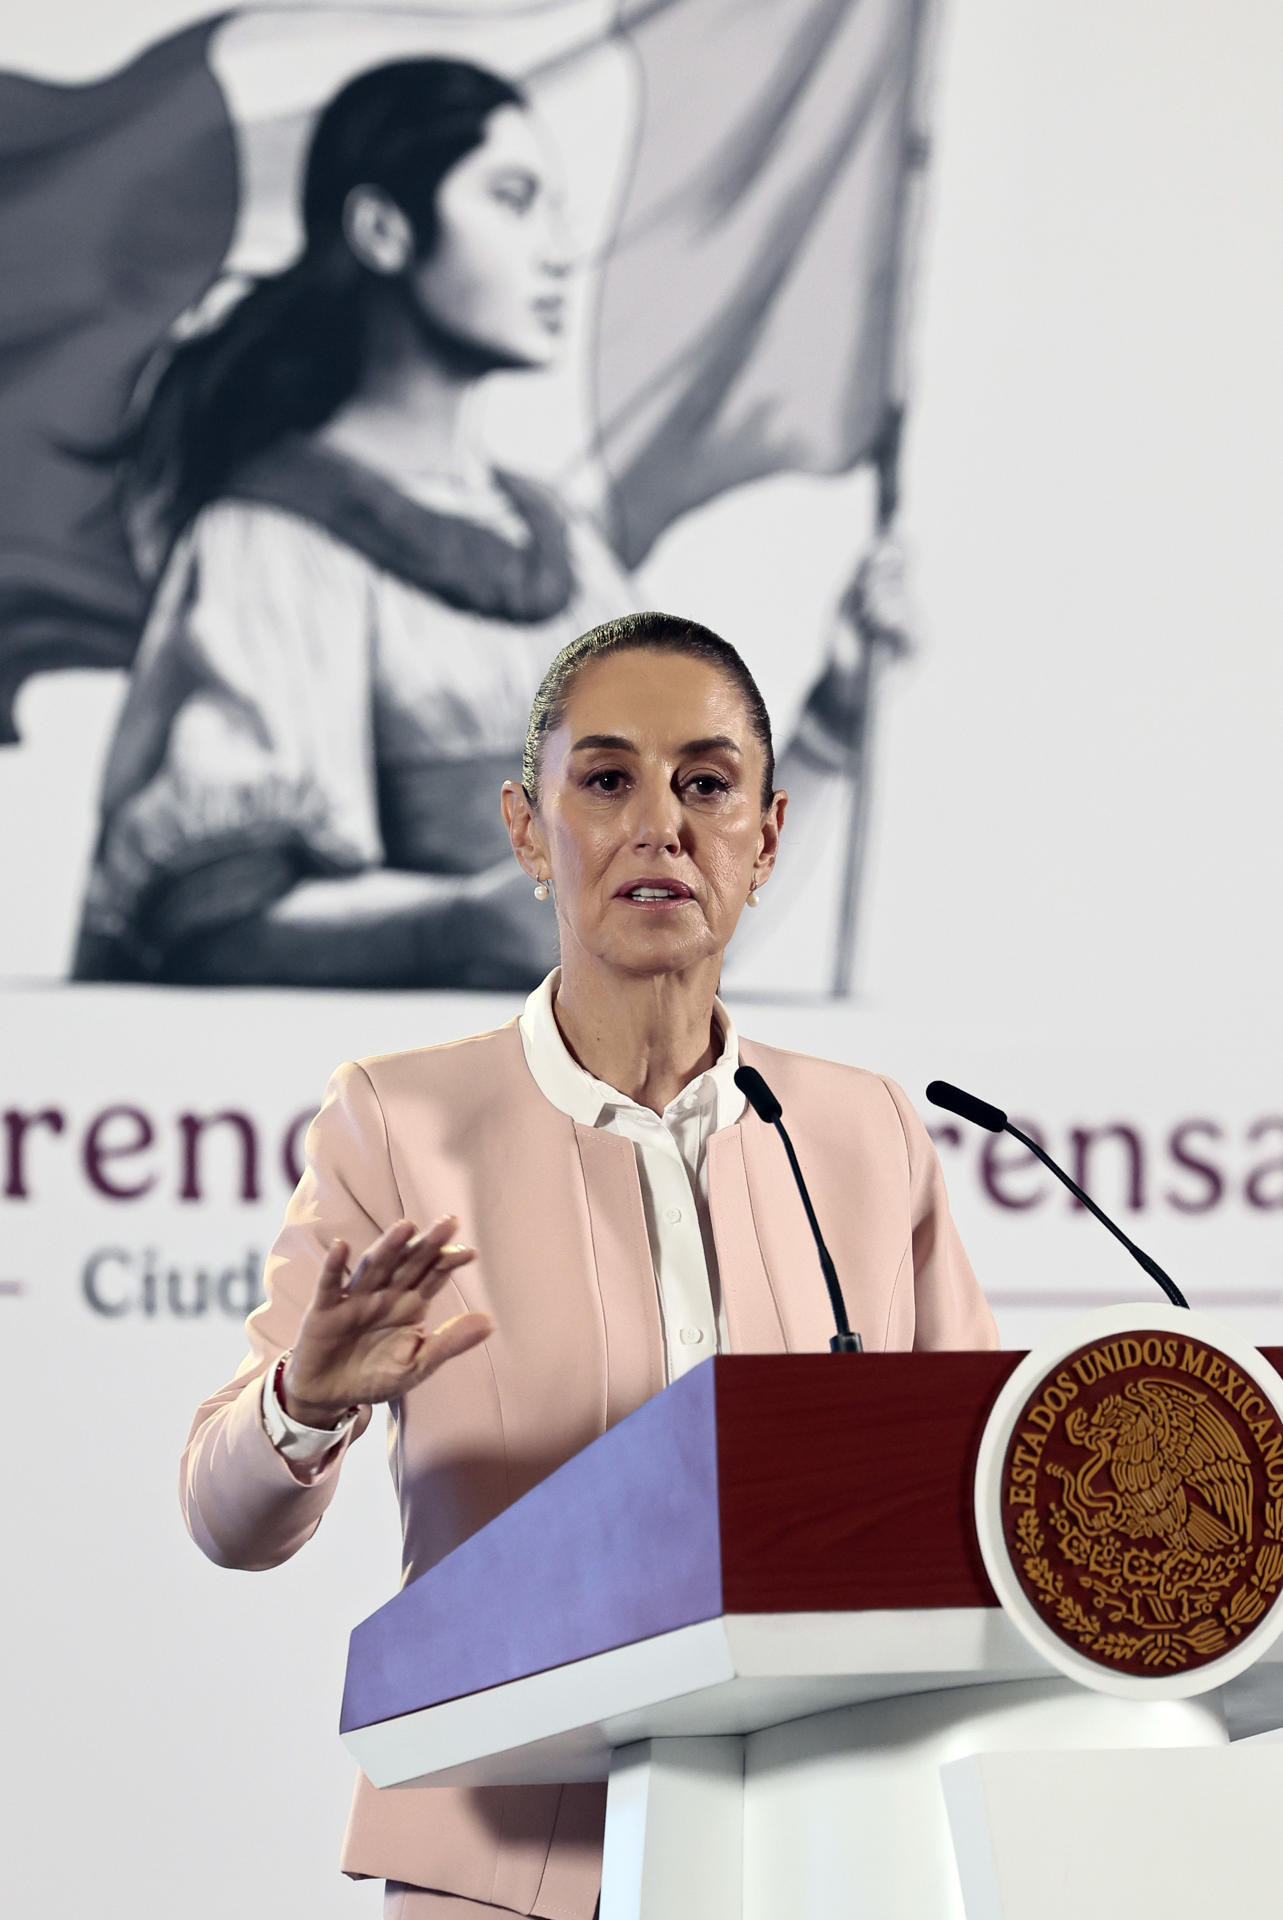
[657, 817]
[555, 247]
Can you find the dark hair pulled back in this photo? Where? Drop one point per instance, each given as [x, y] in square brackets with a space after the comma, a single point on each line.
[640, 633]
[290, 352]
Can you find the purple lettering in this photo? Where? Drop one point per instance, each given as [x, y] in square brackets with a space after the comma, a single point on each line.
[1083, 1141]
[1205, 1170]
[16, 1127]
[118, 1133]
[292, 1146]
[192, 1127]
[1264, 1185]
[1003, 1160]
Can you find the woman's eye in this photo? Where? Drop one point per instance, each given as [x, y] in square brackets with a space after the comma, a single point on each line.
[707, 785]
[517, 192]
[606, 780]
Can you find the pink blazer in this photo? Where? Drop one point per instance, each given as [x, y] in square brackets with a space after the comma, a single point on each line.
[563, 1263]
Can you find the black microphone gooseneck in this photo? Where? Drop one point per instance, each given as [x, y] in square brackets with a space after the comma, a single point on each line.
[767, 1107]
[967, 1107]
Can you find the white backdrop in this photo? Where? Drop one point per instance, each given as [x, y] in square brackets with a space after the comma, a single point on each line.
[1073, 907]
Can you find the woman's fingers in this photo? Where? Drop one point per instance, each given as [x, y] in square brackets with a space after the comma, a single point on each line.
[434, 1276]
[426, 1260]
[452, 1338]
[386, 1357]
[384, 1264]
[330, 1280]
[380, 1260]
[402, 1265]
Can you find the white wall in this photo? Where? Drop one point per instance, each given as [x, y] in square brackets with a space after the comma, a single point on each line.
[1074, 907]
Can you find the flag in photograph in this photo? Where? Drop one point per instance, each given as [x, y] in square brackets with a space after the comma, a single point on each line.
[750, 308]
[745, 300]
[117, 206]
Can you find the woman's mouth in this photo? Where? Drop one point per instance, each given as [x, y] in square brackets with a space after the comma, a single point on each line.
[551, 311]
[656, 893]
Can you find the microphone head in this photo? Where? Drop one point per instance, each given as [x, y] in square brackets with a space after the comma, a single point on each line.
[758, 1094]
[966, 1106]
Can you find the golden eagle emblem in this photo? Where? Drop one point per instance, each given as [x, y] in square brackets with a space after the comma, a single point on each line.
[1159, 1441]
[1139, 1516]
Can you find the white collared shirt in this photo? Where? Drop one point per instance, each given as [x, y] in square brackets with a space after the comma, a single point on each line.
[671, 1151]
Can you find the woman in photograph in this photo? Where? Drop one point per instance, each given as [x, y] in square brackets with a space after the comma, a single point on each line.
[600, 1212]
[353, 604]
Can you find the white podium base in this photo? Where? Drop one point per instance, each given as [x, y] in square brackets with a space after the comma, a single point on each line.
[1116, 1835]
[842, 1815]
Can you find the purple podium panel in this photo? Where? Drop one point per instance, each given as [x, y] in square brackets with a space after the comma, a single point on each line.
[756, 1484]
[619, 1544]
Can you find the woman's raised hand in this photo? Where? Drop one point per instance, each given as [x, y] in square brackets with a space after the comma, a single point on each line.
[371, 1338]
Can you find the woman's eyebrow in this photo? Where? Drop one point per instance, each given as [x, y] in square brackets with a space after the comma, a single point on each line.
[512, 170]
[712, 743]
[613, 741]
[616, 743]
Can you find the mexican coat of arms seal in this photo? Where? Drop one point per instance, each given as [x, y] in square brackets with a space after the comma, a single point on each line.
[1134, 1511]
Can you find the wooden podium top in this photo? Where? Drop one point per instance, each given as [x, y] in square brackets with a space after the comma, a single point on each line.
[756, 1484]
[772, 1535]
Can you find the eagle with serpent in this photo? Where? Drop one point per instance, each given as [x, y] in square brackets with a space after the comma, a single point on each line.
[1165, 1546]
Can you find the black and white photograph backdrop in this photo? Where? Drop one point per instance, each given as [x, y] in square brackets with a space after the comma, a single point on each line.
[352, 359]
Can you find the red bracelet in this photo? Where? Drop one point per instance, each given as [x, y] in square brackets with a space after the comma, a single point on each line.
[278, 1381]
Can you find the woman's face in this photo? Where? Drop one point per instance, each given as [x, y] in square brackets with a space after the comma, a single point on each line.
[650, 820]
[494, 283]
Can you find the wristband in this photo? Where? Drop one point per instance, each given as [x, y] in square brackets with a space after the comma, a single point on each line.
[278, 1381]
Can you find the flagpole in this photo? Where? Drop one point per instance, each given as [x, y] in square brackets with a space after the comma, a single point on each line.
[877, 642]
[875, 645]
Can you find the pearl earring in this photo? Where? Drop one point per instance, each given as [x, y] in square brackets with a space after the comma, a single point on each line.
[542, 889]
[752, 897]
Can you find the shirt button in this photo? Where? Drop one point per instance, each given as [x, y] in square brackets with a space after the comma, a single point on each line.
[672, 1215]
[692, 1336]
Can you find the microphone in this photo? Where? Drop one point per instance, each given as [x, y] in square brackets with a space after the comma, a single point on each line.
[767, 1108]
[967, 1107]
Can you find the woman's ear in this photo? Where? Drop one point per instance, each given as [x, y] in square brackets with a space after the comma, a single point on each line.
[377, 231]
[769, 846]
[522, 823]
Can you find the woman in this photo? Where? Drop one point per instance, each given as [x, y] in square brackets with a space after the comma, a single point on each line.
[354, 605]
[614, 1216]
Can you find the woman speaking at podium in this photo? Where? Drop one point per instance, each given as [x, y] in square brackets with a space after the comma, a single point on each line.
[513, 1240]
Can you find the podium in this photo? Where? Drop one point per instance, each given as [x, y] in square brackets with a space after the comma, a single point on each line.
[757, 1607]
